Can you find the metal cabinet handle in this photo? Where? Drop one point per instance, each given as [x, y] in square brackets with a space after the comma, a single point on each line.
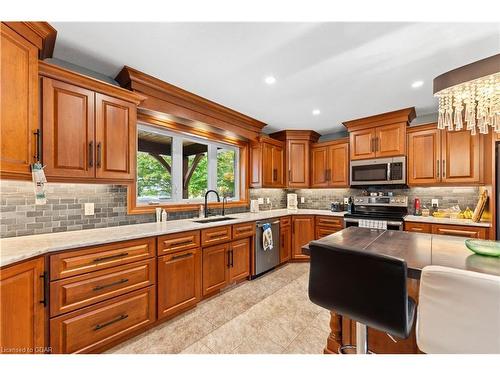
[110, 257]
[289, 175]
[91, 153]
[38, 144]
[437, 168]
[232, 258]
[377, 144]
[45, 279]
[100, 287]
[100, 326]
[175, 257]
[99, 149]
[444, 168]
[229, 259]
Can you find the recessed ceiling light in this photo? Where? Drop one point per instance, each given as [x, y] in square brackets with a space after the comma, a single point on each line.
[417, 84]
[316, 112]
[270, 80]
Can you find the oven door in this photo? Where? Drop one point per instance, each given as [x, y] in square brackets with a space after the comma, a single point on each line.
[370, 172]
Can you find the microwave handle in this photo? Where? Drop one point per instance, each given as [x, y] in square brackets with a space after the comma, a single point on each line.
[388, 171]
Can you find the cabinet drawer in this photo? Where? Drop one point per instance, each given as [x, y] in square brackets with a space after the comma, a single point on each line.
[180, 241]
[418, 227]
[79, 291]
[88, 329]
[459, 230]
[243, 230]
[330, 221]
[325, 231]
[96, 258]
[215, 235]
[285, 221]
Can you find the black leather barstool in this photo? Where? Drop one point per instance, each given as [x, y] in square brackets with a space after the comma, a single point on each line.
[368, 288]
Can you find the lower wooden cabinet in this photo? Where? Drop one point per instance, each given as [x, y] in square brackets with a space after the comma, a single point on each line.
[302, 233]
[22, 317]
[88, 330]
[285, 239]
[179, 282]
[447, 229]
[239, 260]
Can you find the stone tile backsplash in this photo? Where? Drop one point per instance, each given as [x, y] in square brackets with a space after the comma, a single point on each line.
[64, 211]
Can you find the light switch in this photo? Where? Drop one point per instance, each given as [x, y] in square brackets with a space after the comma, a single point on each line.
[435, 202]
[346, 200]
[302, 200]
[268, 200]
[89, 208]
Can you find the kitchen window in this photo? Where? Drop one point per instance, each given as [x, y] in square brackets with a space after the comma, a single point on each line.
[177, 168]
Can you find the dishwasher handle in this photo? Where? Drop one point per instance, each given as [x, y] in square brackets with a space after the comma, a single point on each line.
[274, 222]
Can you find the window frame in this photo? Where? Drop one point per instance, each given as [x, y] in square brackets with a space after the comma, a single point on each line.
[179, 133]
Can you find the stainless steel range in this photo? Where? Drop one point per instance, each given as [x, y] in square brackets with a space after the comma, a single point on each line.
[380, 212]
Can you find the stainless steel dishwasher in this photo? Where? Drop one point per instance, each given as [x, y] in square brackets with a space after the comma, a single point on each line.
[266, 260]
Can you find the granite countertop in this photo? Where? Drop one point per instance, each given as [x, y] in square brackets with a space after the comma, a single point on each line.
[444, 220]
[19, 248]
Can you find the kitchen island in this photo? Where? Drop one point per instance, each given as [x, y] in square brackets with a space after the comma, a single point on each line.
[418, 250]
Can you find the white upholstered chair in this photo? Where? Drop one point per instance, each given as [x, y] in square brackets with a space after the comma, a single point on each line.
[458, 311]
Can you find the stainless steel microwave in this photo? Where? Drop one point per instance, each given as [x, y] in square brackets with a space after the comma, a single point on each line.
[386, 171]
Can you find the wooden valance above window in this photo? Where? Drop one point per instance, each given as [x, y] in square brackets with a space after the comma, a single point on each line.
[169, 99]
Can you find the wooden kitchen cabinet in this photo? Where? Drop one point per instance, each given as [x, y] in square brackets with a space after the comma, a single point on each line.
[437, 157]
[460, 230]
[22, 304]
[379, 136]
[267, 163]
[19, 130]
[285, 239]
[216, 263]
[88, 127]
[418, 227]
[326, 225]
[239, 260]
[297, 154]
[330, 164]
[179, 282]
[302, 233]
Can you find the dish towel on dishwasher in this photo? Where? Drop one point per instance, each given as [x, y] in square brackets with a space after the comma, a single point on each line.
[267, 237]
[373, 224]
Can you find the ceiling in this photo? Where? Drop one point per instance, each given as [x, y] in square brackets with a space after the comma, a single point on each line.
[347, 70]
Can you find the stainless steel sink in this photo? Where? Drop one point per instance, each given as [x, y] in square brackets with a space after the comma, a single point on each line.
[213, 220]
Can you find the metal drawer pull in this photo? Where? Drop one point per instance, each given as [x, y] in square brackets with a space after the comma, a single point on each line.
[45, 279]
[38, 135]
[110, 257]
[181, 256]
[182, 243]
[100, 326]
[100, 287]
[91, 154]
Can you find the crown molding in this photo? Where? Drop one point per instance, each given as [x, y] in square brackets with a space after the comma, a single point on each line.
[40, 34]
[401, 115]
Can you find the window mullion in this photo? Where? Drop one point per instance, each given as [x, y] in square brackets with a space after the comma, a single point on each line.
[212, 167]
[177, 169]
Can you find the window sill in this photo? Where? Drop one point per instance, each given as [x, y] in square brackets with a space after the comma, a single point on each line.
[179, 207]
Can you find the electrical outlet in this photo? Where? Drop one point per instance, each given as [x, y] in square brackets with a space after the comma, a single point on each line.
[435, 202]
[346, 200]
[268, 200]
[260, 200]
[89, 208]
[302, 200]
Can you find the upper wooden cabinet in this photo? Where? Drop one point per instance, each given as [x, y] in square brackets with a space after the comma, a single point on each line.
[266, 163]
[88, 126]
[379, 136]
[443, 157]
[297, 152]
[22, 304]
[19, 105]
[330, 164]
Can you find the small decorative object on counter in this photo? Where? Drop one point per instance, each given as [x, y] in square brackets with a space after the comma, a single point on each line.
[484, 247]
[336, 207]
[425, 211]
[158, 214]
[39, 181]
[201, 212]
[350, 206]
[164, 216]
[416, 207]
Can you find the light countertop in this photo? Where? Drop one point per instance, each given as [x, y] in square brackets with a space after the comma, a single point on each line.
[444, 220]
[16, 249]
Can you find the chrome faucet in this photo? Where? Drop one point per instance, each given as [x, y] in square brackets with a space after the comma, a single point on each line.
[206, 200]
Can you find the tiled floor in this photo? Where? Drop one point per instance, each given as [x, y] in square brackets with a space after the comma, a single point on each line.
[269, 315]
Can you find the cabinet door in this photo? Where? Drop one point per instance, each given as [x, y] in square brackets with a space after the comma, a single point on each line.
[278, 157]
[68, 129]
[115, 138]
[362, 144]
[285, 243]
[22, 318]
[240, 260]
[424, 157]
[268, 173]
[319, 166]
[255, 165]
[338, 165]
[391, 140]
[179, 281]
[216, 265]
[302, 233]
[298, 164]
[460, 156]
[19, 104]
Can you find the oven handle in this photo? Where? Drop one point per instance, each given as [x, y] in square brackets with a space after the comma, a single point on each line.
[347, 220]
